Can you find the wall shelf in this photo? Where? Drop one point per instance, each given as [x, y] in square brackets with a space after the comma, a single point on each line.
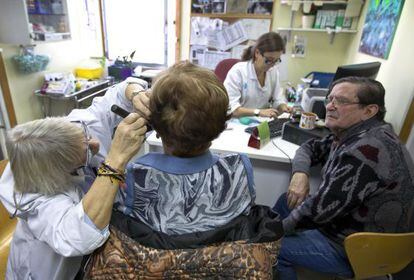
[316, 3]
[350, 10]
[327, 30]
[254, 16]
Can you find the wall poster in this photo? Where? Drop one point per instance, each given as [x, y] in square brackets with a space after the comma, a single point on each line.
[380, 26]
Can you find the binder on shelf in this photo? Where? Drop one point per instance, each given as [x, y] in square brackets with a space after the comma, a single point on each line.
[347, 23]
[318, 19]
[340, 18]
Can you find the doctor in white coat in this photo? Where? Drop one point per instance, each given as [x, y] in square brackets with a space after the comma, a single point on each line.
[253, 84]
[63, 209]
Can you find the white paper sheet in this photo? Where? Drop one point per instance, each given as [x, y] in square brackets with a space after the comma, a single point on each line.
[212, 58]
[197, 54]
[255, 27]
[231, 36]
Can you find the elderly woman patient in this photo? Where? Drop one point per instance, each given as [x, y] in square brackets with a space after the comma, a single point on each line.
[187, 201]
[187, 188]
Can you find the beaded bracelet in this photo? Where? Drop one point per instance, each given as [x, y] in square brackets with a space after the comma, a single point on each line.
[112, 173]
[107, 166]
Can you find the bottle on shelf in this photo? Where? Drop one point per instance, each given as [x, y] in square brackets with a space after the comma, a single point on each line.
[56, 7]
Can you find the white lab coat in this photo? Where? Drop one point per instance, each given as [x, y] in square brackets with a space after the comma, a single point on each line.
[53, 232]
[244, 89]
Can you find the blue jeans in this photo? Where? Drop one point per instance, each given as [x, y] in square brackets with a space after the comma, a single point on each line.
[309, 249]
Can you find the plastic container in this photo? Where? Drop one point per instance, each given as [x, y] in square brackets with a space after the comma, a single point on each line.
[89, 73]
[28, 62]
[89, 69]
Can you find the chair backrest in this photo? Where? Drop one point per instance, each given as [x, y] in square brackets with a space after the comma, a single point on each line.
[6, 231]
[223, 67]
[376, 254]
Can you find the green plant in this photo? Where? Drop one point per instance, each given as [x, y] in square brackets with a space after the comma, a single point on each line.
[126, 60]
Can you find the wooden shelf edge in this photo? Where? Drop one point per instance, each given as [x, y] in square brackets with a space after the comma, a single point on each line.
[317, 30]
[289, 2]
[255, 16]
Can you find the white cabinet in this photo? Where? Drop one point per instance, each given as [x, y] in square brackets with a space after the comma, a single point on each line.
[32, 21]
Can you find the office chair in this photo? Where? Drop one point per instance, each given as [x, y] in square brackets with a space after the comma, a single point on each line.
[378, 254]
[223, 67]
[6, 231]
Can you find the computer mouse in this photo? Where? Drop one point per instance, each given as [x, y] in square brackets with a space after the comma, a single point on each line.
[247, 120]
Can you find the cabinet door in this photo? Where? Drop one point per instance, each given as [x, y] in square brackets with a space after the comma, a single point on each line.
[14, 22]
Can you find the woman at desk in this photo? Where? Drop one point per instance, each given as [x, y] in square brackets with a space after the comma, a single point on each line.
[253, 84]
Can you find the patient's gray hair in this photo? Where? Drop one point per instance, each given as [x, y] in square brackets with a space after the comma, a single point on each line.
[43, 154]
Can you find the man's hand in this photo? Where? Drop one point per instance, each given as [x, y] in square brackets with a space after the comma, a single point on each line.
[141, 104]
[127, 140]
[298, 189]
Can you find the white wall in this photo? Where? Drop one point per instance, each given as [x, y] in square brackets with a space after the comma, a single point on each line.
[396, 73]
[65, 56]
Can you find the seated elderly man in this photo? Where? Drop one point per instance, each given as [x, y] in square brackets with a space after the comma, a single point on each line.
[367, 182]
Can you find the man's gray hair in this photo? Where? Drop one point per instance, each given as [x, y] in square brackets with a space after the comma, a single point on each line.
[43, 154]
[369, 92]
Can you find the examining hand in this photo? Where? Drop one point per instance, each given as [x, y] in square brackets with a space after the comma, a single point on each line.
[298, 189]
[141, 104]
[271, 113]
[127, 140]
[284, 108]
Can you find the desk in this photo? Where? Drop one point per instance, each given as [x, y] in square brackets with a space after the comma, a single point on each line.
[271, 167]
[78, 97]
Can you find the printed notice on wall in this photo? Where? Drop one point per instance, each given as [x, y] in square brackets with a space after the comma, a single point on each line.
[231, 36]
[299, 46]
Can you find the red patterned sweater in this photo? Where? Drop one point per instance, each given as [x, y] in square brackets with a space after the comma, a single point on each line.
[367, 183]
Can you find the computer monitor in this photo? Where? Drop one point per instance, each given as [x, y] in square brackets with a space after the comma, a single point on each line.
[369, 70]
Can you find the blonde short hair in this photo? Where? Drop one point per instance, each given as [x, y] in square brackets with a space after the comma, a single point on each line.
[188, 108]
[43, 154]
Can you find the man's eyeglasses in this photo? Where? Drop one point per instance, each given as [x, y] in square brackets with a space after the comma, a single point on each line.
[338, 101]
[271, 61]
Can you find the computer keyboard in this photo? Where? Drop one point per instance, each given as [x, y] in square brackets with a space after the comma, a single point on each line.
[275, 127]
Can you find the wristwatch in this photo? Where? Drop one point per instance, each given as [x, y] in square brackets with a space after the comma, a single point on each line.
[256, 112]
[137, 81]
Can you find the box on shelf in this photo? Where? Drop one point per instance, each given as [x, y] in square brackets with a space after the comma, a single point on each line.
[41, 36]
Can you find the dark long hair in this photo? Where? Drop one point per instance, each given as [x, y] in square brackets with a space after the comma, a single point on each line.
[268, 42]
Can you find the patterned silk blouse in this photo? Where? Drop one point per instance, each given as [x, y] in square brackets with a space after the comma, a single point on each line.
[182, 195]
